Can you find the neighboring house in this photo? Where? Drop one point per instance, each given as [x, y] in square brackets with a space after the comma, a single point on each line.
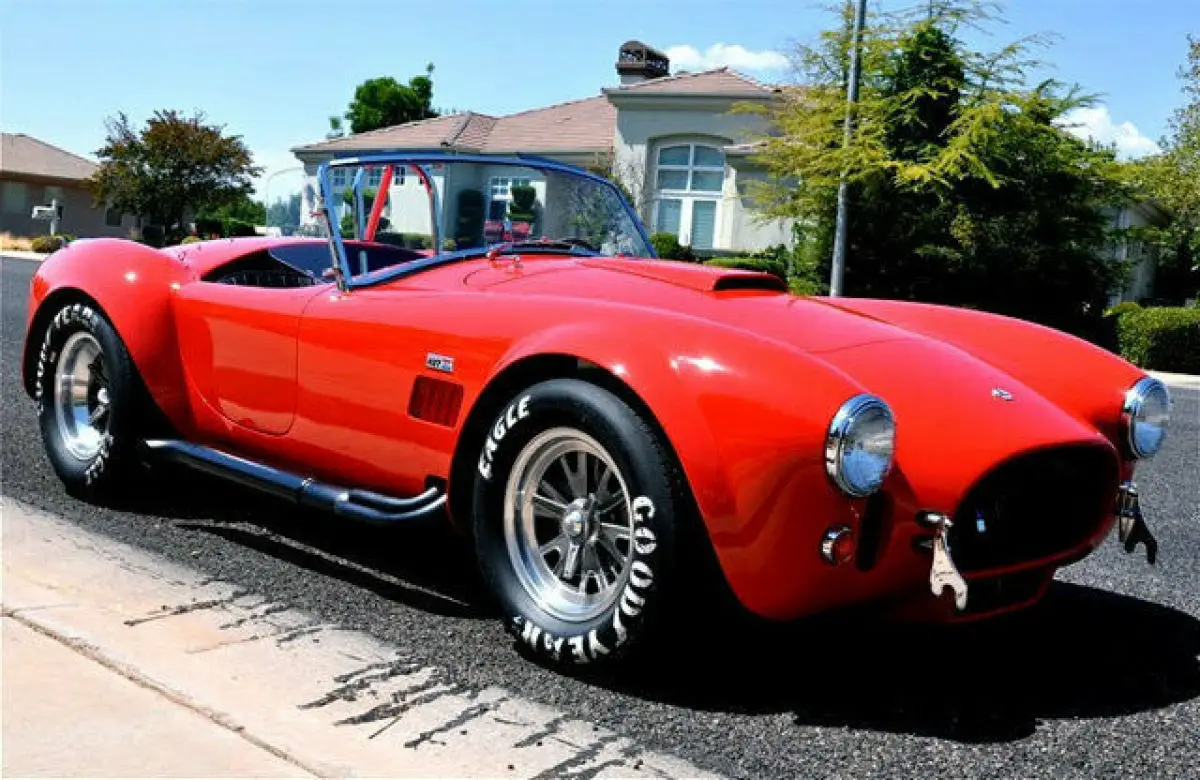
[34, 173]
[672, 141]
[1141, 257]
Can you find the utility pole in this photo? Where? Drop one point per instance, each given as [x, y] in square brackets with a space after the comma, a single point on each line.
[839, 237]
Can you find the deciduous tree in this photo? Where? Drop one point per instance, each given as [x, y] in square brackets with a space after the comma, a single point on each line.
[384, 101]
[964, 188]
[173, 165]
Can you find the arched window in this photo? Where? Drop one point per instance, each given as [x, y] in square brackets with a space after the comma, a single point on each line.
[688, 182]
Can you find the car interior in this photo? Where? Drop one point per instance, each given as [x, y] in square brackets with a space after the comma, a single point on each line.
[307, 263]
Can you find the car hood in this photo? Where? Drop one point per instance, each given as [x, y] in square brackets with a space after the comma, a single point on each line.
[754, 302]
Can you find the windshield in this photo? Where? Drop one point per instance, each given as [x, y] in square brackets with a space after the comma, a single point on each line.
[432, 207]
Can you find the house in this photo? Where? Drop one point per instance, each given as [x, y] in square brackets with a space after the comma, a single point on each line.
[671, 140]
[35, 173]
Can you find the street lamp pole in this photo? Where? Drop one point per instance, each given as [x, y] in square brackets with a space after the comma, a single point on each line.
[267, 187]
[839, 236]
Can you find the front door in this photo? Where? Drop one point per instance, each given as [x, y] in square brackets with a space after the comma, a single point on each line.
[239, 350]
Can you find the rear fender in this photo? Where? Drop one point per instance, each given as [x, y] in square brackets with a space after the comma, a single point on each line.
[133, 286]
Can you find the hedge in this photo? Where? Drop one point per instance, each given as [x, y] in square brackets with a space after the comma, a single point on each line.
[773, 267]
[1161, 338]
[667, 247]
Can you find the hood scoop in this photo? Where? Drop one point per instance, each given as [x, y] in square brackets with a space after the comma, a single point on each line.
[693, 276]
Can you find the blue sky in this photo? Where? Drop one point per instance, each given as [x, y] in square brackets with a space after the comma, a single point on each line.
[275, 71]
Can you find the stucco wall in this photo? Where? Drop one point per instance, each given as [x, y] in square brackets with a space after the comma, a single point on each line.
[80, 218]
[642, 131]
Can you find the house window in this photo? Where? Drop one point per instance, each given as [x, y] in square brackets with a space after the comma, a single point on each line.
[14, 197]
[338, 177]
[500, 191]
[112, 217]
[688, 180]
[398, 175]
[51, 193]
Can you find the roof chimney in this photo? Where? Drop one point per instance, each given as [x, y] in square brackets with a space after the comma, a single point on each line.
[637, 62]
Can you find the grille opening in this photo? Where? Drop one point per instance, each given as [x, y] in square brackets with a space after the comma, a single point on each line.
[994, 593]
[1033, 506]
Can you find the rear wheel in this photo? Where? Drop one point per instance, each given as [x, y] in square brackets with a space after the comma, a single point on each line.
[575, 522]
[88, 401]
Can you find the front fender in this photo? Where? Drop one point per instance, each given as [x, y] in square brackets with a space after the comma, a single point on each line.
[133, 285]
[747, 418]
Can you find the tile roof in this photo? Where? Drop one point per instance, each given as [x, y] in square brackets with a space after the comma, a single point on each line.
[577, 125]
[719, 81]
[23, 154]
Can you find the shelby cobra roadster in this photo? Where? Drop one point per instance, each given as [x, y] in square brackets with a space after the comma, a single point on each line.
[493, 341]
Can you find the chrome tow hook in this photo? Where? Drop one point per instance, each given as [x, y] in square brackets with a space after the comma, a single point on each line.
[1131, 527]
[942, 572]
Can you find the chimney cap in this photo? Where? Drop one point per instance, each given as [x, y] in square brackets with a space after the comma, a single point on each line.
[642, 60]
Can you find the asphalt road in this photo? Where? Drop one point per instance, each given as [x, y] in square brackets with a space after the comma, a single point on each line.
[1102, 680]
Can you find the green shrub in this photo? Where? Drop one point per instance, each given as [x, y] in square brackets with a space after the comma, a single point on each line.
[237, 227]
[521, 207]
[48, 244]
[667, 247]
[406, 240]
[1161, 338]
[154, 235]
[470, 218]
[1118, 309]
[209, 226]
[774, 267]
[190, 240]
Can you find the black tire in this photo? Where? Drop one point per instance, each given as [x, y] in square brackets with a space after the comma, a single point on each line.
[644, 587]
[100, 474]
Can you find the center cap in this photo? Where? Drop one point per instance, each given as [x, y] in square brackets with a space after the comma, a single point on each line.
[574, 523]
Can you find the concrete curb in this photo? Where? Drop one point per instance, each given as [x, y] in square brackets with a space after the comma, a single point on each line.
[16, 254]
[1179, 380]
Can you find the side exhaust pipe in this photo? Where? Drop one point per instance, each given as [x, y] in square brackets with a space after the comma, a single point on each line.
[361, 505]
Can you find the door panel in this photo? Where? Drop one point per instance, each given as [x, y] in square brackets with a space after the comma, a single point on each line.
[239, 350]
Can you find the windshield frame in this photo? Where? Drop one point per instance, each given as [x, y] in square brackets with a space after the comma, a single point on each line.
[419, 160]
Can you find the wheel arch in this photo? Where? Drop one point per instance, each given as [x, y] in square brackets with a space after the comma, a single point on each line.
[131, 285]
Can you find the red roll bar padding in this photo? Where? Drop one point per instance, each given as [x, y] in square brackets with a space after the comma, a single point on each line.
[377, 207]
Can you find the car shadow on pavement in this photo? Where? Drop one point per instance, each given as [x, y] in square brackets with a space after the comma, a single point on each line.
[1081, 653]
[423, 564]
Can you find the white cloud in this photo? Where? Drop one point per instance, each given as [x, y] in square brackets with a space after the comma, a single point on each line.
[721, 55]
[1096, 123]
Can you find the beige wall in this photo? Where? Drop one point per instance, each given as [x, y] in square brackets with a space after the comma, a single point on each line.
[80, 218]
[644, 129]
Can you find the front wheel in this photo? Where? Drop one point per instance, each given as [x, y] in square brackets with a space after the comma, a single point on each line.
[574, 517]
[88, 401]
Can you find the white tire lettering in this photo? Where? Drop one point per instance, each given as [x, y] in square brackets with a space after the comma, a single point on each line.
[644, 540]
[640, 575]
[595, 647]
[510, 417]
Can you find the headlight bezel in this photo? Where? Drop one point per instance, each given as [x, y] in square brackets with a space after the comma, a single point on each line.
[1136, 399]
[840, 436]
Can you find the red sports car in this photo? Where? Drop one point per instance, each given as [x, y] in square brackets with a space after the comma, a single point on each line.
[492, 340]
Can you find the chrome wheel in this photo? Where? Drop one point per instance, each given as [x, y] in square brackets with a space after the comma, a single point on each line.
[568, 524]
[81, 396]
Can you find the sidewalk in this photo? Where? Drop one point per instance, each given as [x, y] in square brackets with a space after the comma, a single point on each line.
[119, 663]
[53, 694]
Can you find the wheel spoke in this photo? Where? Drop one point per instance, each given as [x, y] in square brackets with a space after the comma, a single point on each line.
[571, 561]
[553, 492]
[548, 505]
[577, 477]
[609, 545]
[603, 477]
[614, 532]
[557, 545]
[592, 570]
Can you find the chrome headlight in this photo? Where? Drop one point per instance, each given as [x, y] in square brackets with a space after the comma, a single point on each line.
[860, 445]
[1145, 416]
